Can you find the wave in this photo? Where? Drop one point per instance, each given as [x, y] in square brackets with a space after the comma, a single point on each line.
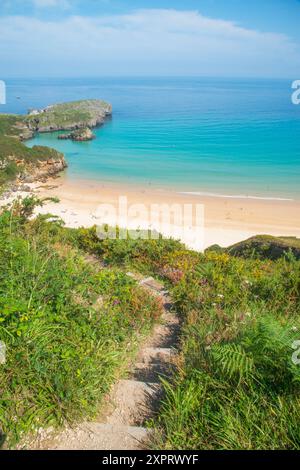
[235, 196]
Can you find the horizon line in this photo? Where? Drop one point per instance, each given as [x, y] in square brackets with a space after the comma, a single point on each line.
[82, 77]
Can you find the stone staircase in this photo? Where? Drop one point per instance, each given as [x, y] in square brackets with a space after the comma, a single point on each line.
[135, 400]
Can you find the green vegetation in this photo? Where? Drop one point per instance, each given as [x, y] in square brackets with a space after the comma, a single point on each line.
[8, 124]
[8, 172]
[15, 157]
[266, 246]
[262, 247]
[236, 386]
[69, 115]
[68, 326]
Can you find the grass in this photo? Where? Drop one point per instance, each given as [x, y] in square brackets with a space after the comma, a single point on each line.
[266, 246]
[15, 157]
[236, 386]
[262, 246]
[67, 115]
[61, 116]
[67, 326]
[8, 123]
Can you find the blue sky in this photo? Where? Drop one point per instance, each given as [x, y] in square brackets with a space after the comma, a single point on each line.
[257, 38]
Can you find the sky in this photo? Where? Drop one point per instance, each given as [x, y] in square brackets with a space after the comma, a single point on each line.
[78, 38]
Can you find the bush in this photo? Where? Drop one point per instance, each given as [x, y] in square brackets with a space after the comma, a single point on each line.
[236, 386]
[68, 326]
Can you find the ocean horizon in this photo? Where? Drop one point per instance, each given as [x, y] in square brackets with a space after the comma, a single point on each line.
[219, 137]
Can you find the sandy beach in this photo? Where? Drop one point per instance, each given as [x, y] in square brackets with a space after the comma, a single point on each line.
[226, 220]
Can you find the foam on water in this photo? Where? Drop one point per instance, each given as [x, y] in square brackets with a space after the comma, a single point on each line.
[235, 196]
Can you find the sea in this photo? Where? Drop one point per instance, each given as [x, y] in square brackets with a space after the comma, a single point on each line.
[214, 136]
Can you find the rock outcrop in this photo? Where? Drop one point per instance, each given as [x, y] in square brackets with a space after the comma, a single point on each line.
[24, 132]
[42, 170]
[262, 247]
[80, 135]
[69, 116]
[266, 247]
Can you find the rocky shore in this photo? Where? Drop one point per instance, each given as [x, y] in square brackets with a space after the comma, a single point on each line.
[67, 117]
[39, 171]
[80, 135]
[20, 164]
[42, 170]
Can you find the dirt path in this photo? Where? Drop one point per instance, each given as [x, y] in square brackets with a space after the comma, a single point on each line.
[132, 401]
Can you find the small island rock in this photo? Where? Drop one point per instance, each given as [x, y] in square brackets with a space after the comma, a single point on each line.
[80, 135]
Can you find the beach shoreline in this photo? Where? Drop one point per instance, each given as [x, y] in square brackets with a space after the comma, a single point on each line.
[226, 221]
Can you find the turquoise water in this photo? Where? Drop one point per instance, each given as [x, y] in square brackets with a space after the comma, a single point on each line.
[233, 137]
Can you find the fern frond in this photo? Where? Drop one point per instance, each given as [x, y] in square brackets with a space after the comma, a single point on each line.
[232, 359]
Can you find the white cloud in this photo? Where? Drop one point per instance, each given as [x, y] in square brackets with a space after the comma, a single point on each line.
[145, 41]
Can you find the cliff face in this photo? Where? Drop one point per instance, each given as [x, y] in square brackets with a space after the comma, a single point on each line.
[41, 170]
[17, 161]
[28, 165]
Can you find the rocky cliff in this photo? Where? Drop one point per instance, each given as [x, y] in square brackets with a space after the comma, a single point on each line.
[20, 163]
[40, 170]
[67, 116]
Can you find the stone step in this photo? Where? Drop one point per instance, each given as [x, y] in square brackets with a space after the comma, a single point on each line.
[98, 436]
[170, 318]
[156, 288]
[149, 282]
[152, 372]
[134, 401]
[135, 276]
[152, 284]
[154, 354]
[165, 336]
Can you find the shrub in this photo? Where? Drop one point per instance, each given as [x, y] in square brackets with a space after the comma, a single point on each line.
[68, 326]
